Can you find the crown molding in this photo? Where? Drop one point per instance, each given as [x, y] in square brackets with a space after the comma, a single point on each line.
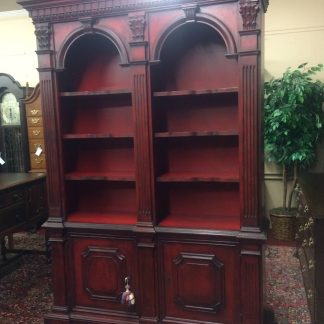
[69, 10]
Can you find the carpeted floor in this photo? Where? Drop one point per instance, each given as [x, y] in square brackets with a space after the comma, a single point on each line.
[284, 291]
[26, 293]
[25, 284]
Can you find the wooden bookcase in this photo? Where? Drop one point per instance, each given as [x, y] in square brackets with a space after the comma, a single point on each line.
[152, 123]
[196, 131]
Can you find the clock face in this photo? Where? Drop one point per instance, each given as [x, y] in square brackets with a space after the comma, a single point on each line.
[9, 109]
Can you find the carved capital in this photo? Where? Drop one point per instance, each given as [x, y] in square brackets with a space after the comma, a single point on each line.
[137, 26]
[190, 11]
[249, 11]
[43, 32]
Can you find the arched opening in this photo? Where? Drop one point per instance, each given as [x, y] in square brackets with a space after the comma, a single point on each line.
[92, 62]
[194, 57]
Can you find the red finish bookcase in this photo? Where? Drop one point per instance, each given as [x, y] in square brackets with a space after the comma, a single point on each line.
[95, 111]
[196, 130]
[152, 115]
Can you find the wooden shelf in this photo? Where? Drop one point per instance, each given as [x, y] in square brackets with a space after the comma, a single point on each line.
[100, 176]
[219, 222]
[195, 92]
[95, 93]
[195, 134]
[102, 218]
[95, 136]
[199, 177]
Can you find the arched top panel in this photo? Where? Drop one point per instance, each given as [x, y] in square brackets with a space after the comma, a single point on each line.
[79, 33]
[93, 60]
[9, 84]
[220, 28]
[193, 55]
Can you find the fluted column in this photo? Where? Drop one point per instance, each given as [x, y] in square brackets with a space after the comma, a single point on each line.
[250, 110]
[54, 173]
[146, 245]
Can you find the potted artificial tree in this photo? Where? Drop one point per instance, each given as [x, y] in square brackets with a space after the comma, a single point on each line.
[293, 122]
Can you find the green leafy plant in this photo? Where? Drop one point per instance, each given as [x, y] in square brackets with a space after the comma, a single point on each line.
[293, 120]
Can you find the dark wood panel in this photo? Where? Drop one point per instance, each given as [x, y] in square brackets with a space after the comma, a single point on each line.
[194, 280]
[100, 267]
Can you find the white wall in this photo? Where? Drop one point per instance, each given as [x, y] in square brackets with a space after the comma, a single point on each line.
[294, 34]
[18, 46]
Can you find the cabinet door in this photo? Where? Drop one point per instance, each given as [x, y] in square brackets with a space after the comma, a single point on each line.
[100, 266]
[200, 281]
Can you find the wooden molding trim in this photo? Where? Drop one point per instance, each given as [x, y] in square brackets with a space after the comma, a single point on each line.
[73, 10]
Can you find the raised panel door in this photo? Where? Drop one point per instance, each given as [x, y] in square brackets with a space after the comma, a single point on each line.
[100, 266]
[200, 282]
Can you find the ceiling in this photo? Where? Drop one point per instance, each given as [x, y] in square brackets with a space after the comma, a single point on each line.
[6, 5]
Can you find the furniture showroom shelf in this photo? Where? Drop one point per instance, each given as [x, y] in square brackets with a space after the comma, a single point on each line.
[95, 136]
[102, 218]
[100, 176]
[199, 177]
[95, 93]
[228, 222]
[195, 92]
[195, 134]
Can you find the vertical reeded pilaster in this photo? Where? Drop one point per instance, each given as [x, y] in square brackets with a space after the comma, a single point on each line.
[51, 130]
[142, 144]
[250, 114]
[54, 173]
[146, 246]
[250, 152]
[142, 115]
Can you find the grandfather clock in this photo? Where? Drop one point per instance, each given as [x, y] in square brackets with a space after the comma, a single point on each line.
[152, 122]
[13, 135]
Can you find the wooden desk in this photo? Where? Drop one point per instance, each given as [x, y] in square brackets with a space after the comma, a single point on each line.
[22, 203]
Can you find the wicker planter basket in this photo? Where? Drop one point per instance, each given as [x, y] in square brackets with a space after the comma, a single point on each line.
[283, 223]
